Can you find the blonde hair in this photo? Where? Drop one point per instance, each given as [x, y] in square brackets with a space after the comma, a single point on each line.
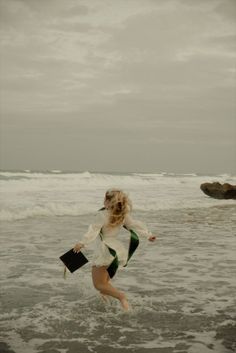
[119, 205]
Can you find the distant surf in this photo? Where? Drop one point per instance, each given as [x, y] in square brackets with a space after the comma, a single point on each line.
[28, 193]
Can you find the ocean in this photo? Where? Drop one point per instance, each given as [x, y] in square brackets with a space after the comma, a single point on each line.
[181, 288]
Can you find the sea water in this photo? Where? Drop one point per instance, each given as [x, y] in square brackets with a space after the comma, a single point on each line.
[181, 288]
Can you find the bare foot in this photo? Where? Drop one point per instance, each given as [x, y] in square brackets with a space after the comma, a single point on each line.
[124, 302]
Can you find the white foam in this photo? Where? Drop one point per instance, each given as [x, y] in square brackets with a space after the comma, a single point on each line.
[55, 171]
[25, 194]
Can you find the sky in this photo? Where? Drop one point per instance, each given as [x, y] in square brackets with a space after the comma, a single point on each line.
[118, 86]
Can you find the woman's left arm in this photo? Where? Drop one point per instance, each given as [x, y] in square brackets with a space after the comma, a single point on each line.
[139, 227]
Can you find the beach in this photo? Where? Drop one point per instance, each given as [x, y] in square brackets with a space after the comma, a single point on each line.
[181, 288]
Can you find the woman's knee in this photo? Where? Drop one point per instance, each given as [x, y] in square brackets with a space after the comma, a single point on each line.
[99, 286]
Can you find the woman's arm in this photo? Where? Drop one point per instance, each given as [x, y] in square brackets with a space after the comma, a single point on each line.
[138, 227]
[91, 234]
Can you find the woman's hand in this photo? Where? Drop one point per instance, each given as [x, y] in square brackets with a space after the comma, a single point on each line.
[152, 238]
[77, 247]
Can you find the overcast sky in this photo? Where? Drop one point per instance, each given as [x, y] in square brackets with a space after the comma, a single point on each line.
[125, 85]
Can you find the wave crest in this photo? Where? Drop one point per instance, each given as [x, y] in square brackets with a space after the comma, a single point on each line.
[48, 210]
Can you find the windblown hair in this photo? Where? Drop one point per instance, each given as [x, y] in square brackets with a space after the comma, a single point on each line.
[119, 205]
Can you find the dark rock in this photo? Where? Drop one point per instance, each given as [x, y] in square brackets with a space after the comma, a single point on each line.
[219, 191]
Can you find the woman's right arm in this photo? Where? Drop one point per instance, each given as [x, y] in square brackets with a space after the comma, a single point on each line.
[91, 234]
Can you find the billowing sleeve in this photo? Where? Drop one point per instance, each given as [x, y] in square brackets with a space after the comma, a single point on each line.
[139, 227]
[93, 230]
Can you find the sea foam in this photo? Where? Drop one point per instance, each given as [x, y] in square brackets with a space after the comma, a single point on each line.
[32, 194]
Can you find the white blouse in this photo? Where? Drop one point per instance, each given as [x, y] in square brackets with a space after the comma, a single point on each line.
[108, 233]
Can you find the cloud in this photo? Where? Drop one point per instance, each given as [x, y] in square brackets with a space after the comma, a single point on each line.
[154, 71]
[226, 9]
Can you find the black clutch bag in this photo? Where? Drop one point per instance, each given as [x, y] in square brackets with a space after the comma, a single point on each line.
[73, 261]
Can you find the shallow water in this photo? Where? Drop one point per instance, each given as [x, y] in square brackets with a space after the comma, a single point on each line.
[181, 288]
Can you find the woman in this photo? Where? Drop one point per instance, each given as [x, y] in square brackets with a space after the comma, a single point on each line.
[109, 221]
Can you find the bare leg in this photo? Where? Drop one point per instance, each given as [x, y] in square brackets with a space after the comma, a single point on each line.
[101, 283]
[105, 296]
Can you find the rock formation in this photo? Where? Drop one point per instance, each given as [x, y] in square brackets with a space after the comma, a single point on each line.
[219, 191]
